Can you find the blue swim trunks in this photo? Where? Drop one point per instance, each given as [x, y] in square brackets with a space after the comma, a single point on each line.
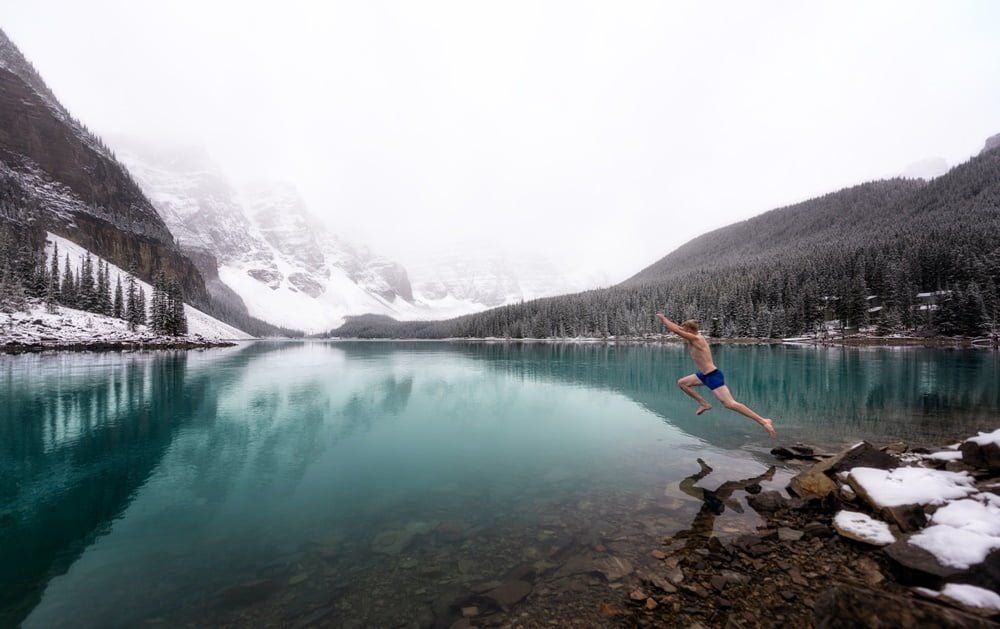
[713, 379]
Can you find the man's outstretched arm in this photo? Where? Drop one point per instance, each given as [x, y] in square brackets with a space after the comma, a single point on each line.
[676, 329]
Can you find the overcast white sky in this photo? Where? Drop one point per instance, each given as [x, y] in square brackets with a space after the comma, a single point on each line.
[606, 133]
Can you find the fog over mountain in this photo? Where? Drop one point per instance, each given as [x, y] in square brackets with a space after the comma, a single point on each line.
[601, 135]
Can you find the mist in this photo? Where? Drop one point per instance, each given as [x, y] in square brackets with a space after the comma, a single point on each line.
[603, 135]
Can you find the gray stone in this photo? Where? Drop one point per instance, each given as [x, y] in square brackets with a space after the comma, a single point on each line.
[817, 529]
[676, 575]
[660, 583]
[786, 534]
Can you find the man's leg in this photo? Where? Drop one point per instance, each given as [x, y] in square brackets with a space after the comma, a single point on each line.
[727, 400]
[685, 384]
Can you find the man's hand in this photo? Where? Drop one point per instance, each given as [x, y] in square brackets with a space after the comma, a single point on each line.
[662, 317]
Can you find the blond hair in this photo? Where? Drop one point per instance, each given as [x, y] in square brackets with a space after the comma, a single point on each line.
[690, 324]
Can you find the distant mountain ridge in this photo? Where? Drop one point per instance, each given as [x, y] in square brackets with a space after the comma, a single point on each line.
[816, 222]
[893, 255]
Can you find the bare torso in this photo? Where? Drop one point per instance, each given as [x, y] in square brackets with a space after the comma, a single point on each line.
[702, 355]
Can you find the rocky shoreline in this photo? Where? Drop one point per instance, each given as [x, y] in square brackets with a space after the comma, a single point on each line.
[16, 347]
[833, 341]
[71, 330]
[804, 569]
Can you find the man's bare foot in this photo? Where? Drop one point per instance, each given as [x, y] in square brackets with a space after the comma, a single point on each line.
[769, 427]
[702, 408]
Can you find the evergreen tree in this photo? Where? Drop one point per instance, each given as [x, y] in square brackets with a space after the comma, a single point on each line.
[117, 310]
[176, 320]
[52, 294]
[141, 307]
[68, 287]
[158, 308]
[131, 304]
[12, 296]
[54, 273]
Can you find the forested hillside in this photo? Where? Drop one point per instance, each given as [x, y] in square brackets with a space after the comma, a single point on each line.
[895, 255]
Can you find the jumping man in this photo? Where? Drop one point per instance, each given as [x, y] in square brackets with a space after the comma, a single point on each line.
[708, 373]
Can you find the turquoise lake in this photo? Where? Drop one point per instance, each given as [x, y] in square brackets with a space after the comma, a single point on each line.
[368, 484]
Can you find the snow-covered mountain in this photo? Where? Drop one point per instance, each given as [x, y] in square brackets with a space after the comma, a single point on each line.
[291, 270]
[285, 265]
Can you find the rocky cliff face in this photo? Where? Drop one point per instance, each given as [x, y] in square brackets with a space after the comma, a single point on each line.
[56, 175]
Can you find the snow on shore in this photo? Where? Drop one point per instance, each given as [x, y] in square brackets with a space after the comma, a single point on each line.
[70, 326]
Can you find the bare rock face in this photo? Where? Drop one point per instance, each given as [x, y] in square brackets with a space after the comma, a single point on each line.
[271, 277]
[65, 180]
[843, 607]
[306, 284]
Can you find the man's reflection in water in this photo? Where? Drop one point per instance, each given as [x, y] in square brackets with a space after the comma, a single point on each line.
[714, 503]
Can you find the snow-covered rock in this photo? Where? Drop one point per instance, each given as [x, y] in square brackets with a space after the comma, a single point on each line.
[909, 486]
[972, 596]
[963, 532]
[863, 528]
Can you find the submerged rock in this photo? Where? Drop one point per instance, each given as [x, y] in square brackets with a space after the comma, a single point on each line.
[509, 593]
[767, 501]
[246, 593]
[610, 567]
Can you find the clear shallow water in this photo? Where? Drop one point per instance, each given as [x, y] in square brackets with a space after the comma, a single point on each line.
[273, 483]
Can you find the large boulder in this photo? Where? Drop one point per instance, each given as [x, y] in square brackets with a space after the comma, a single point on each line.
[983, 456]
[812, 484]
[919, 562]
[846, 607]
[862, 454]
